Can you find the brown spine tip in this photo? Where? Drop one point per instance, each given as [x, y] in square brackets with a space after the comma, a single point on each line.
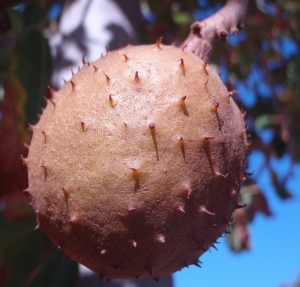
[30, 127]
[202, 209]
[183, 48]
[107, 79]
[126, 58]
[223, 143]
[233, 192]
[74, 220]
[182, 67]
[95, 68]
[83, 127]
[53, 103]
[72, 72]
[135, 171]
[83, 60]
[153, 134]
[45, 168]
[136, 177]
[207, 137]
[213, 246]
[218, 174]
[158, 42]
[181, 209]
[131, 208]
[205, 63]
[197, 263]
[136, 77]
[247, 174]
[64, 80]
[215, 107]
[152, 126]
[24, 160]
[205, 85]
[130, 42]
[182, 102]
[107, 50]
[232, 93]
[183, 106]
[45, 136]
[231, 222]
[110, 100]
[26, 191]
[51, 92]
[182, 147]
[243, 131]
[160, 238]
[188, 190]
[37, 226]
[66, 195]
[73, 85]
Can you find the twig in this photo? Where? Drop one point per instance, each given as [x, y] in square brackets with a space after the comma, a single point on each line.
[227, 20]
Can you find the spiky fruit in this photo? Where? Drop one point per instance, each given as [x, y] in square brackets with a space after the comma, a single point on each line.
[135, 165]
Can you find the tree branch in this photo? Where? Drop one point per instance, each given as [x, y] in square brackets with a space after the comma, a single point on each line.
[227, 20]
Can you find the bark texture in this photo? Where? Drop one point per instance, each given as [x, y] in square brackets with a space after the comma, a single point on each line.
[203, 34]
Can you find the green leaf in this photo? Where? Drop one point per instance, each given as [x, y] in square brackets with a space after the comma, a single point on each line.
[263, 121]
[33, 69]
[16, 18]
[33, 14]
[183, 18]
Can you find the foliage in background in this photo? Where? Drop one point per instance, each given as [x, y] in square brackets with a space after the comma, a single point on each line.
[262, 63]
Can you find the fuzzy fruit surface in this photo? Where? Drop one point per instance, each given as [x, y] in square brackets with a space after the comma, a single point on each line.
[135, 165]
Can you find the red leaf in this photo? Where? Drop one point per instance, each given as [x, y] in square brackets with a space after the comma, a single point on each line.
[13, 174]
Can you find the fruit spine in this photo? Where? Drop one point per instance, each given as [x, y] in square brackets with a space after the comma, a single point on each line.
[135, 165]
